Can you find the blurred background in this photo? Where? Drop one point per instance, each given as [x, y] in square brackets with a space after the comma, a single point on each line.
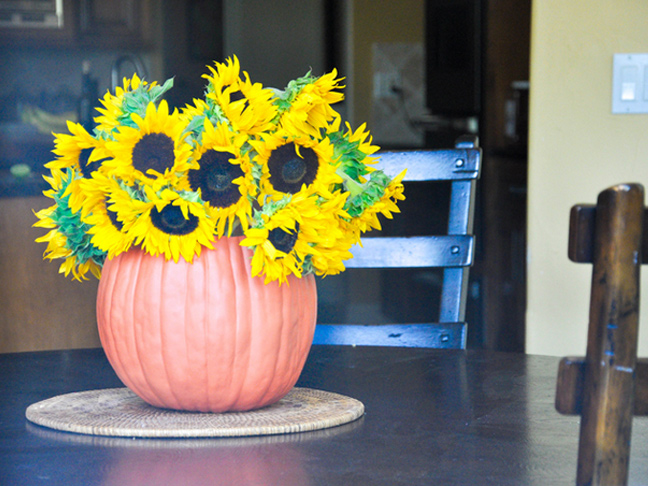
[419, 72]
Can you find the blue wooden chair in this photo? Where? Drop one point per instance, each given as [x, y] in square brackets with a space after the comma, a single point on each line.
[453, 252]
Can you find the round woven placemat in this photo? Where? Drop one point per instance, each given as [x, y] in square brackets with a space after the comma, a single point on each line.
[118, 412]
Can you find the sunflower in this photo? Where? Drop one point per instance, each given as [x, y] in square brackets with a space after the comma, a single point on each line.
[173, 226]
[67, 238]
[81, 152]
[353, 152]
[275, 163]
[282, 237]
[152, 153]
[335, 240]
[78, 150]
[361, 141]
[247, 106]
[134, 97]
[379, 197]
[224, 178]
[307, 104]
[289, 164]
[109, 210]
[113, 110]
[193, 116]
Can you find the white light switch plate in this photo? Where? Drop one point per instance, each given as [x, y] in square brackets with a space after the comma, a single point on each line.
[630, 83]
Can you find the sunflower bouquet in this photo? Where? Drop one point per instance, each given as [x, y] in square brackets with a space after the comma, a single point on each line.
[273, 166]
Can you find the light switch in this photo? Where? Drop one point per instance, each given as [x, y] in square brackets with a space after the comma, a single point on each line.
[630, 83]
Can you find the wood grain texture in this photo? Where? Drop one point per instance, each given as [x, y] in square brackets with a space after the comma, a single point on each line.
[602, 386]
[571, 379]
[581, 244]
[433, 417]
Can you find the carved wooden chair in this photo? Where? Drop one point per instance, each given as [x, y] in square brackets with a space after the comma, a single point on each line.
[609, 385]
[453, 252]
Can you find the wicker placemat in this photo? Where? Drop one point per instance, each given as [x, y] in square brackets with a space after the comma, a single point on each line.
[118, 412]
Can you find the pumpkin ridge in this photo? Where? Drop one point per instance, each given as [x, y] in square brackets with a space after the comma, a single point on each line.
[147, 387]
[120, 337]
[106, 291]
[244, 325]
[294, 309]
[212, 288]
[225, 260]
[204, 357]
[303, 336]
[262, 394]
[244, 319]
[271, 386]
[234, 396]
[228, 261]
[166, 344]
[270, 301]
[117, 275]
[134, 277]
[117, 318]
[189, 327]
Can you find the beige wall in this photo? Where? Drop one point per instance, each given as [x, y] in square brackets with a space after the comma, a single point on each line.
[576, 149]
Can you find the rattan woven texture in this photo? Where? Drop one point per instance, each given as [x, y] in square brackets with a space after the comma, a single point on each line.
[118, 412]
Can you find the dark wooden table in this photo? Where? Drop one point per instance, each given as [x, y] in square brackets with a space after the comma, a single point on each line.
[432, 417]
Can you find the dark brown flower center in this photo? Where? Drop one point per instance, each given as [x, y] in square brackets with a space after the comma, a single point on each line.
[154, 151]
[283, 240]
[236, 96]
[214, 178]
[112, 216]
[171, 220]
[88, 168]
[290, 170]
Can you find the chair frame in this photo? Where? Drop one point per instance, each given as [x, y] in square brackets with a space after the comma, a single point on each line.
[454, 252]
[609, 385]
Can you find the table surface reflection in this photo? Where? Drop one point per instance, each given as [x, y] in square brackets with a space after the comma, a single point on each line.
[432, 417]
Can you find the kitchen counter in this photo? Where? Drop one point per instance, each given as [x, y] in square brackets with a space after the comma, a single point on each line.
[31, 185]
[23, 144]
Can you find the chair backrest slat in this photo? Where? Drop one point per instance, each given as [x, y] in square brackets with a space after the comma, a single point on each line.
[453, 251]
[433, 165]
[451, 335]
[413, 252]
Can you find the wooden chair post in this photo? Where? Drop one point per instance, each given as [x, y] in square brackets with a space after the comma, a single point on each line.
[602, 386]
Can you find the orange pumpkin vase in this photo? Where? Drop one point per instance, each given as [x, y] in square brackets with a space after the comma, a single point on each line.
[204, 336]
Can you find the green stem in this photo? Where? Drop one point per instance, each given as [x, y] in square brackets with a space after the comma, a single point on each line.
[353, 186]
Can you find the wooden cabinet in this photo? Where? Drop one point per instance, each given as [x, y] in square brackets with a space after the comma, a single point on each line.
[111, 23]
[39, 36]
[99, 24]
[39, 308]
